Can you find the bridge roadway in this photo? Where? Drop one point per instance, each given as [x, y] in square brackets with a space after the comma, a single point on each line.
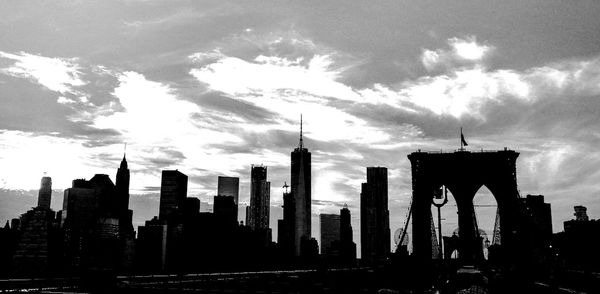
[348, 280]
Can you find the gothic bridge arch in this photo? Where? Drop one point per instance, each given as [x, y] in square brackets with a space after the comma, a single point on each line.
[464, 173]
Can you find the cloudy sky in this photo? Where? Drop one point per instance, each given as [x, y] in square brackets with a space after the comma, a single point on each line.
[211, 87]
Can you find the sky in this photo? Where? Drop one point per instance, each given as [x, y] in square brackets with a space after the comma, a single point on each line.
[211, 87]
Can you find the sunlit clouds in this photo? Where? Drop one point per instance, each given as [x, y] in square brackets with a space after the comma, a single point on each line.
[56, 74]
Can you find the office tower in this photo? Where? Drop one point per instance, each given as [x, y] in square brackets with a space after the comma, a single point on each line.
[301, 191]
[330, 234]
[374, 216]
[125, 214]
[286, 226]
[122, 185]
[539, 228]
[152, 246]
[173, 191]
[191, 208]
[225, 210]
[45, 193]
[347, 245]
[229, 186]
[257, 216]
[36, 250]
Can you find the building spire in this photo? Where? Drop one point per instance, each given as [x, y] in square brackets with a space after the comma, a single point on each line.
[301, 145]
[124, 161]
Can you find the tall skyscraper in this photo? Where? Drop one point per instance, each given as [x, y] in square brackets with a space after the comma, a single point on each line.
[125, 214]
[347, 245]
[45, 193]
[301, 191]
[257, 216]
[173, 191]
[330, 233]
[374, 216]
[122, 185]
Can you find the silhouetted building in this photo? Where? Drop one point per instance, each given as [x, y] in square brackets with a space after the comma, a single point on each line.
[286, 226]
[191, 208]
[309, 250]
[173, 191]
[330, 234]
[125, 216]
[38, 248]
[225, 210]
[257, 215]
[580, 214]
[9, 237]
[45, 193]
[577, 246]
[151, 246]
[229, 186]
[97, 224]
[347, 245]
[122, 194]
[375, 216]
[301, 190]
[539, 229]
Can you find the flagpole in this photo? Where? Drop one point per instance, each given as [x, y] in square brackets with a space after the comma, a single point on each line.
[461, 141]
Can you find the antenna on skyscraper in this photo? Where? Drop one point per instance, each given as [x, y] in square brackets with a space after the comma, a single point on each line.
[125, 150]
[301, 131]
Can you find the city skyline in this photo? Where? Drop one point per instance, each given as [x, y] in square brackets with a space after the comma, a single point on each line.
[374, 83]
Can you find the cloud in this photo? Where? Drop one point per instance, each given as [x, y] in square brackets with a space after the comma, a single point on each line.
[462, 51]
[56, 74]
[289, 88]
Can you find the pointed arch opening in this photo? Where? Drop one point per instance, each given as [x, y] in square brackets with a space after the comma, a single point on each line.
[486, 209]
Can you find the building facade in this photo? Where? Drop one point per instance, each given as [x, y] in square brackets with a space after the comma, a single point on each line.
[257, 215]
[173, 191]
[301, 191]
[375, 216]
[330, 234]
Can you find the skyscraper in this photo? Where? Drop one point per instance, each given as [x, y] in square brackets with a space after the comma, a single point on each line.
[225, 210]
[173, 191]
[45, 193]
[122, 194]
[286, 226]
[330, 233]
[257, 216]
[229, 186]
[375, 216]
[301, 191]
[347, 245]
[122, 185]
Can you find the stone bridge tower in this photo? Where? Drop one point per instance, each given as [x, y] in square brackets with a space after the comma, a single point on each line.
[464, 173]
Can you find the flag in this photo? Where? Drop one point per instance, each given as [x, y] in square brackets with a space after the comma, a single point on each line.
[462, 138]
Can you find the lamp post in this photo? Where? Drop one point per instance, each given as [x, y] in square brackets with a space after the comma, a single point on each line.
[443, 196]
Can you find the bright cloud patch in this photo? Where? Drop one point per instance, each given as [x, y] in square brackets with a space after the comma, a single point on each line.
[57, 74]
[461, 52]
[289, 88]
